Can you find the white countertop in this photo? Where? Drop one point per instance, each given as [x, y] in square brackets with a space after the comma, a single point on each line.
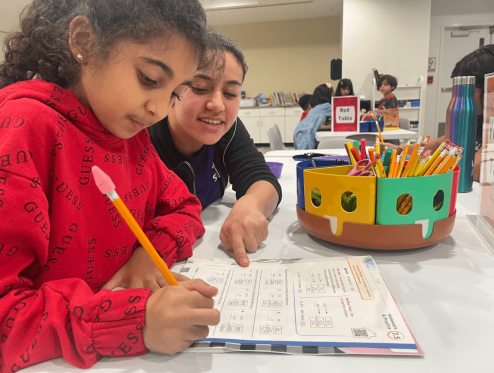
[399, 134]
[446, 293]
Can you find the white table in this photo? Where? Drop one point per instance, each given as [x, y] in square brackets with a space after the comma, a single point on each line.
[399, 134]
[446, 293]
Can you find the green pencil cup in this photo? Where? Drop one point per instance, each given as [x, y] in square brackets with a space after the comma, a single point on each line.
[431, 196]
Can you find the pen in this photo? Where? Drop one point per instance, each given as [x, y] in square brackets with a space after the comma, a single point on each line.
[106, 186]
[362, 149]
[372, 157]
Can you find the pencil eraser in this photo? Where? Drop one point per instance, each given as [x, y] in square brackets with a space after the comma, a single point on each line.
[102, 180]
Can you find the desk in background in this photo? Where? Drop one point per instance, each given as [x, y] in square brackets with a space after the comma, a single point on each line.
[446, 293]
[399, 134]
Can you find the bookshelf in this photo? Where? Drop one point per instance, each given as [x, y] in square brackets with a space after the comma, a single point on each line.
[409, 93]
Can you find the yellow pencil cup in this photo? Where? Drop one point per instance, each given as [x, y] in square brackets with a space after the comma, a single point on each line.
[328, 194]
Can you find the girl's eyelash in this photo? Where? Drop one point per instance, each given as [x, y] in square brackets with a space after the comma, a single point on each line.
[175, 95]
[231, 95]
[199, 90]
[146, 80]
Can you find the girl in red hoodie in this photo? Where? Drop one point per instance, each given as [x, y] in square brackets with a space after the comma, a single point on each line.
[81, 82]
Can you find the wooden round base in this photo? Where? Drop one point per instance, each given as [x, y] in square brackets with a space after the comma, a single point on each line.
[376, 237]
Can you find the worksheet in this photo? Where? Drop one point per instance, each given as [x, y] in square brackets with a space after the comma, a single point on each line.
[304, 305]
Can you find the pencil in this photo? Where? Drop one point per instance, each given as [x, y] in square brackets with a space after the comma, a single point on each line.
[403, 159]
[380, 167]
[377, 147]
[433, 157]
[436, 163]
[379, 130]
[392, 162]
[106, 186]
[397, 165]
[412, 159]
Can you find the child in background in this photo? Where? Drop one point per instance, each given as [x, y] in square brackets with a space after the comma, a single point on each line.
[81, 82]
[304, 103]
[344, 88]
[386, 85]
[304, 136]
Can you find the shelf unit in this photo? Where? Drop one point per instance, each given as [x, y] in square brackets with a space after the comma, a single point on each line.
[407, 93]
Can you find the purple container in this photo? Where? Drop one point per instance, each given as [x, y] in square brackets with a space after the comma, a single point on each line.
[275, 168]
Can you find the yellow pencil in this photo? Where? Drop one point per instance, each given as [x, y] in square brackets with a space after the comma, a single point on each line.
[391, 167]
[380, 166]
[433, 157]
[403, 158]
[377, 147]
[436, 163]
[412, 158]
[447, 162]
[106, 186]
[379, 130]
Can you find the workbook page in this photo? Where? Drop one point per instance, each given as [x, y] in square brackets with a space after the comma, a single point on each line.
[340, 302]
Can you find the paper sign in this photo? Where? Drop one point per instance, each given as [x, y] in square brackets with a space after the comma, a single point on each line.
[345, 113]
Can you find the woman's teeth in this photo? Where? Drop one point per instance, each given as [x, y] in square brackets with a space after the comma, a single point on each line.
[210, 121]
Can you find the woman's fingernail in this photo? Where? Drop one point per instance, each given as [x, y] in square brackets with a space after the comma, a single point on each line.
[245, 261]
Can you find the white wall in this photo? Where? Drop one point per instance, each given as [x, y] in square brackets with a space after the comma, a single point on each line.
[437, 23]
[390, 35]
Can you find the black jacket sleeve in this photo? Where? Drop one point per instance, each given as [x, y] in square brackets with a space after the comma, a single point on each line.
[245, 164]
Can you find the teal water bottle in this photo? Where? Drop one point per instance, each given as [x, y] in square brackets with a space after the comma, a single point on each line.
[463, 129]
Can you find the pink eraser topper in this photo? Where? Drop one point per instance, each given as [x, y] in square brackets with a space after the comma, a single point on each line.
[102, 180]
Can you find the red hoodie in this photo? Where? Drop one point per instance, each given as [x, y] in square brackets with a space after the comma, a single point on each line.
[61, 240]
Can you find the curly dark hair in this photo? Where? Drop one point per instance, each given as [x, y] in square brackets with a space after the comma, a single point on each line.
[41, 48]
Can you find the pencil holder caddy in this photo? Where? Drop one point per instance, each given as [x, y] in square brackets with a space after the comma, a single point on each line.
[370, 126]
[335, 187]
[375, 223]
[319, 162]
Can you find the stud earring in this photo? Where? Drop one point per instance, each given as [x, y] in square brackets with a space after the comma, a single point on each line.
[79, 56]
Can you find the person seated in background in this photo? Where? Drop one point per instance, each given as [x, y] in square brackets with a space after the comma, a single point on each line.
[304, 136]
[478, 63]
[304, 103]
[386, 85]
[344, 88]
[206, 145]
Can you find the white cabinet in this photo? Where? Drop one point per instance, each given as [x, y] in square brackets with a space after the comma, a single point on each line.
[250, 118]
[269, 117]
[292, 118]
[259, 120]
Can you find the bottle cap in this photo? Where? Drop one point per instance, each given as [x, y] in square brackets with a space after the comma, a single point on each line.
[464, 80]
[471, 80]
[457, 80]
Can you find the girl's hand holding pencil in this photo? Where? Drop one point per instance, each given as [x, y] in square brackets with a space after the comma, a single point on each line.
[177, 316]
[140, 272]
